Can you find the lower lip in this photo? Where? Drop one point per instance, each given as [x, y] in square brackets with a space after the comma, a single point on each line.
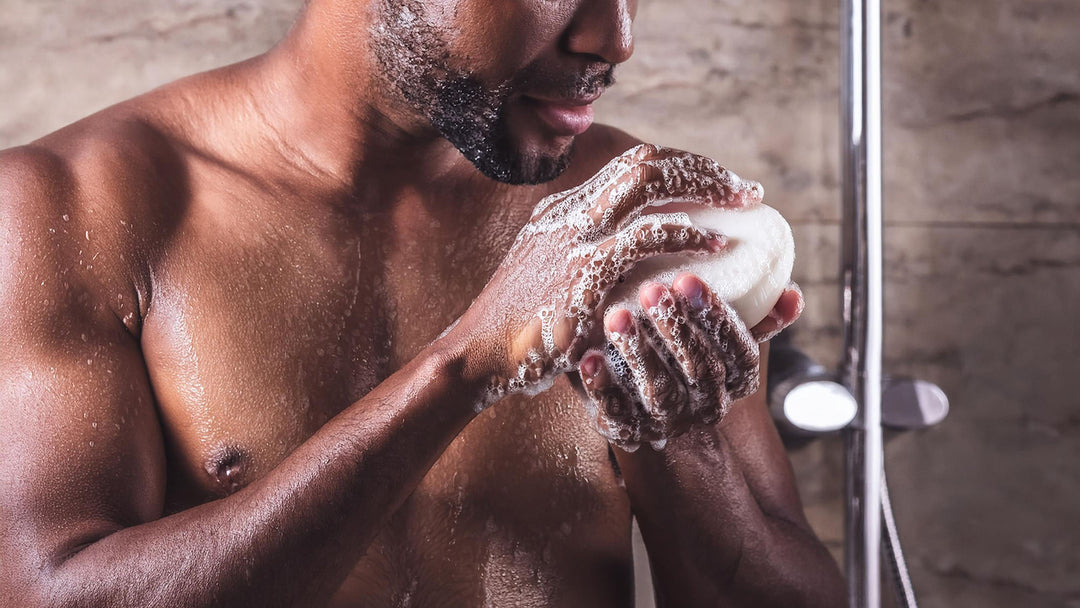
[564, 119]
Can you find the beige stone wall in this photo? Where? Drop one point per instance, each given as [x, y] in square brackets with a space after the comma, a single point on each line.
[982, 129]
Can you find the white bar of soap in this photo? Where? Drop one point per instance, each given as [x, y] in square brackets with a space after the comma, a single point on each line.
[750, 273]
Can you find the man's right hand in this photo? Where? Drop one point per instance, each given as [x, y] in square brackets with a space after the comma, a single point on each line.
[541, 310]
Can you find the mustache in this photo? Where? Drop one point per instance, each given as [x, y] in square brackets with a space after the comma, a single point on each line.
[594, 80]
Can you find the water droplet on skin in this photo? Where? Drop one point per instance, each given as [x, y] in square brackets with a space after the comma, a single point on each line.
[93, 425]
[88, 235]
[65, 217]
[83, 336]
[91, 444]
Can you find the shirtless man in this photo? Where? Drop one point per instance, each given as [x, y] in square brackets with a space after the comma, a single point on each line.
[224, 375]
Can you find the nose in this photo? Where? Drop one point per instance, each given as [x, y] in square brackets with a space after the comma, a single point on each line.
[602, 28]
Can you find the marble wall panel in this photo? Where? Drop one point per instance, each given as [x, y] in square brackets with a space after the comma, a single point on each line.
[61, 59]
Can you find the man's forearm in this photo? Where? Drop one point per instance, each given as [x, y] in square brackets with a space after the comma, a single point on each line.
[291, 537]
[710, 542]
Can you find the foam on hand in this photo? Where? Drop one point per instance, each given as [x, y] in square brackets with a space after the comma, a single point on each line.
[750, 273]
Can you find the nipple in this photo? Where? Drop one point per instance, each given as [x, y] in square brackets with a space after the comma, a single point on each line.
[227, 468]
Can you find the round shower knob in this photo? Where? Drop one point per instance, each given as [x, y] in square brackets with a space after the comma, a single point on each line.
[910, 403]
[804, 398]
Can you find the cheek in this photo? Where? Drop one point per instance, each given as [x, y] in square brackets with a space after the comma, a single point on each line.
[496, 38]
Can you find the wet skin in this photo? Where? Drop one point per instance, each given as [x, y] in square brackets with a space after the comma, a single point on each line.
[225, 379]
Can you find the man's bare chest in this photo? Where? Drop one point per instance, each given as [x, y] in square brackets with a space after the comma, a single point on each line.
[261, 330]
[256, 336]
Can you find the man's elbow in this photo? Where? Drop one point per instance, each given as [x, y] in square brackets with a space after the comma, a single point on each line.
[811, 575]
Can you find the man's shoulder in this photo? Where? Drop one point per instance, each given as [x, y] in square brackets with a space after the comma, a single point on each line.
[114, 163]
[116, 144]
[86, 203]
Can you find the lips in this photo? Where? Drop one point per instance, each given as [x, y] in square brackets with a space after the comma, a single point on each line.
[565, 116]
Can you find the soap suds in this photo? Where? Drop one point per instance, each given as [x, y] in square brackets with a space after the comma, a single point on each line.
[609, 235]
[651, 214]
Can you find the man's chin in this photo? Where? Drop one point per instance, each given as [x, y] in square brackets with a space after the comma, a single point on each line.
[515, 150]
[536, 154]
[544, 168]
[525, 164]
[542, 159]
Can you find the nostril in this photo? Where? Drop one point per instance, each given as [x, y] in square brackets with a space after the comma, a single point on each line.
[602, 29]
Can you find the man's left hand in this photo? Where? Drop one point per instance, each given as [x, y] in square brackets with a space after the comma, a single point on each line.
[683, 361]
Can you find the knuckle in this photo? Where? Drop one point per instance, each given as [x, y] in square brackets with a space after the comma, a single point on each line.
[641, 152]
[695, 365]
[748, 387]
[640, 173]
[742, 369]
[612, 404]
[674, 400]
[713, 409]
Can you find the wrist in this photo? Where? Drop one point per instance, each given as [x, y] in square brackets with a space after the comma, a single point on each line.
[465, 359]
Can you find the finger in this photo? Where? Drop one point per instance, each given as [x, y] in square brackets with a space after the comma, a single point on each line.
[611, 405]
[787, 309]
[639, 185]
[659, 389]
[590, 195]
[528, 340]
[731, 341]
[688, 174]
[672, 175]
[688, 347]
[645, 238]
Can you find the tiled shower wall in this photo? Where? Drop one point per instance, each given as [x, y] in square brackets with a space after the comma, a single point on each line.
[982, 162]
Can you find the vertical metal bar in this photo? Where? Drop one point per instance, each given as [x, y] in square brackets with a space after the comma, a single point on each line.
[862, 273]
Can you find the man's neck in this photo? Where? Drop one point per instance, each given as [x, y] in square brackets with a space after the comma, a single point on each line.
[328, 112]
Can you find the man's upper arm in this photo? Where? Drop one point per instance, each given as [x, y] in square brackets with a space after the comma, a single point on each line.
[81, 451]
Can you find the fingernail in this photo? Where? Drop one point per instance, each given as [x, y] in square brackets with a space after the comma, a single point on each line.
[650, 295]
[691, 287]
[619, 321]
[590, 365]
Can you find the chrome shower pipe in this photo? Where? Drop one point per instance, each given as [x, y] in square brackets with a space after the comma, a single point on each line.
[905, 593]
[861, 263]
